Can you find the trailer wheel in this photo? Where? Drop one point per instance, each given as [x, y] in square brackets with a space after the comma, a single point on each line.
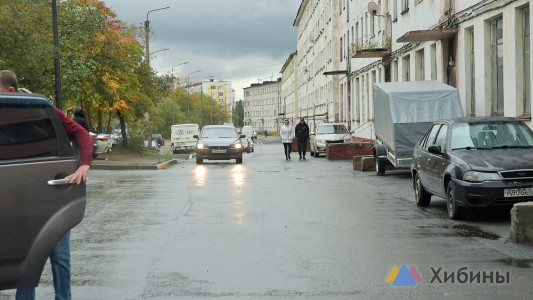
[380, 167]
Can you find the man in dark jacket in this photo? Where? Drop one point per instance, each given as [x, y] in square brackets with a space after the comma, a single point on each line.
[79, 117]
[301, 131]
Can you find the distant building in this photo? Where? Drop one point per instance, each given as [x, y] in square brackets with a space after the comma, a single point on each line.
[262, 105]
[289, 89]
[219, 90]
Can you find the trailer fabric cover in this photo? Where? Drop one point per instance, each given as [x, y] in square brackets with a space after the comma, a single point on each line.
[404, 111]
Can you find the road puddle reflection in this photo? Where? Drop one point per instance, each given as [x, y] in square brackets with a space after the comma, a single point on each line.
[200, 173]
[238, 176]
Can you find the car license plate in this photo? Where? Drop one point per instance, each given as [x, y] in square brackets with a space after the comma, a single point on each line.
[219, 151]
[523, 192]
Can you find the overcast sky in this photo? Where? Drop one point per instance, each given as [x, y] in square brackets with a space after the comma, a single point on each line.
[243, 41]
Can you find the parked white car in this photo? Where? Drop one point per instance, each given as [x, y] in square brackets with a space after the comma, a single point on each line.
[328, 133]
[102, 143]
[249, 132]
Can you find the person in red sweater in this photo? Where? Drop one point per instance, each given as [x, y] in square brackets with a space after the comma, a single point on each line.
[60, 256]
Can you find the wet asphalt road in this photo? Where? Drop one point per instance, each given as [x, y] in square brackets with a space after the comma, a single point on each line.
[278, 229]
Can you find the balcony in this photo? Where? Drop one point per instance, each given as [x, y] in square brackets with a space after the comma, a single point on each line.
[371, 49]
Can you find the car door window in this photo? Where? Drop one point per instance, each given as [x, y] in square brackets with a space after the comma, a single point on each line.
[441, 137]
[26, 132]
[432, 135]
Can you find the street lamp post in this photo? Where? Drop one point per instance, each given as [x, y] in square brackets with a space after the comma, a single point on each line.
[189, 99]
[160, 50]
[147, 33]
[174, 87]
[201, 97]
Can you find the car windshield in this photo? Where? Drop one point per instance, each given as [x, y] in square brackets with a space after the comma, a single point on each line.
[331, 129]
[221, 132]
[487, 135]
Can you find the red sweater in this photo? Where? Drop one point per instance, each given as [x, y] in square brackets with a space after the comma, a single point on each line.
[80, 135]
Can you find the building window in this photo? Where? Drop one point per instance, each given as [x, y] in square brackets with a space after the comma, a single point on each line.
[341, 48]
[356, 40]
[470, 69]
[527, 63]
[395, 71]
[406, 65]
[394, 10]
[419, 63]
[433, 53]
[372, 25]
[405, 6]
[496, 33]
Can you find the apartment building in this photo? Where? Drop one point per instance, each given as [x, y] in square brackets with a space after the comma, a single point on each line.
[480, 47]
[219, 90]
[288, 107]
[262, 105]
[318, 47]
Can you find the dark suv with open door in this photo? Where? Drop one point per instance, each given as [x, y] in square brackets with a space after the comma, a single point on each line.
[36, 207]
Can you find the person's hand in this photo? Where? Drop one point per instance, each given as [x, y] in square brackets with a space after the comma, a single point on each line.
[80, 175]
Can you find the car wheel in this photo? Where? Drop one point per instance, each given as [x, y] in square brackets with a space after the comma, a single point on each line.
[423, 198]
[454, 211]
[199, 160]
[238, 160]
[380, 167]
[317, 154]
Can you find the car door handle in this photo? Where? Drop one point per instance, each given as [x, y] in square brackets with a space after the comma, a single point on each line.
[63, 181]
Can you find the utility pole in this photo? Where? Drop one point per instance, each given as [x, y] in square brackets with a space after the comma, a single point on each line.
[57, 62]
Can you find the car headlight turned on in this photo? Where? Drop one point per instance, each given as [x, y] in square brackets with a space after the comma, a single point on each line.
[200, 146]
[237, 146]
[475, 176]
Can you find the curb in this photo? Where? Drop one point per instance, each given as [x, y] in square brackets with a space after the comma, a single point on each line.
[160, 166]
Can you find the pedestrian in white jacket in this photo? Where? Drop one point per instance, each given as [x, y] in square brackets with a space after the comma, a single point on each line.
[286, 138]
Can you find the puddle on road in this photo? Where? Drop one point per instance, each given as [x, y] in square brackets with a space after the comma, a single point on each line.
[519, 263]
[466, 230]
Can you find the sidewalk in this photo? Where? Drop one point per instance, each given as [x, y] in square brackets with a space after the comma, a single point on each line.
[136, 162]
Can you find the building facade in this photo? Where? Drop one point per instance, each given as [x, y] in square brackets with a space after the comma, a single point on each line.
[261, 105]
[345, 46]
[288, 108]
[318, 52]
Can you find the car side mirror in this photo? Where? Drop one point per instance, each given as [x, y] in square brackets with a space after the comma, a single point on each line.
[195, 136]
[435, 149]
[242, 136]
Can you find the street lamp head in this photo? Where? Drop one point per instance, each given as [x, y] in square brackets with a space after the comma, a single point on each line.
[155, 10]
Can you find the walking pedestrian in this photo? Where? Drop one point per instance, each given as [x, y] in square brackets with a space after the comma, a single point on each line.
[266, 133]
[286, 138]
[301, 131]
[79, 117]
[60, 256]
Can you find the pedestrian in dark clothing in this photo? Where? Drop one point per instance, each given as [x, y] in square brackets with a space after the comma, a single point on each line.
[301, 131]
[79, 117]
[266, 133]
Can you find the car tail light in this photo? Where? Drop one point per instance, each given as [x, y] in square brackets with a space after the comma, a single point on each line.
[103, 139]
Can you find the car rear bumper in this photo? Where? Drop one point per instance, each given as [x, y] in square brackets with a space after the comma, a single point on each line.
[489, 193]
